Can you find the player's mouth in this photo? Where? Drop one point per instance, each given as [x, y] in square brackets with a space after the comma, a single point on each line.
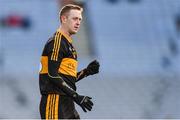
[76, 28]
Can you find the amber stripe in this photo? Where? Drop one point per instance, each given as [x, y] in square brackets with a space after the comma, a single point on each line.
[56, 106]
[47, 107]
[55, 46]
[57, 50]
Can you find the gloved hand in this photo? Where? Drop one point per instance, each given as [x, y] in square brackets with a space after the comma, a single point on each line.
[92, 68]
[84, 101]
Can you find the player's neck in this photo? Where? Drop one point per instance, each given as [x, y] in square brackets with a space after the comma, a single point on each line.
[65, 33]
[63, 30]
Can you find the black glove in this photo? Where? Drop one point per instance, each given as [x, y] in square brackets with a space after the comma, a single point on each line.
[84, 101]
[92, 68]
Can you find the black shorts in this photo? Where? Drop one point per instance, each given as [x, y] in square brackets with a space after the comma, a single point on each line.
[55, 106]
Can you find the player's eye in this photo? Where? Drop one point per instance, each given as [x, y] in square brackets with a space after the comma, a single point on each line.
[80, 19]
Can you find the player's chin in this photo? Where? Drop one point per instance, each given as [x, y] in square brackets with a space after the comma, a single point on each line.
[74, 31]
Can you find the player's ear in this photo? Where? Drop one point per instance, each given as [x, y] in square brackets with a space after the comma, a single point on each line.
[63, 18]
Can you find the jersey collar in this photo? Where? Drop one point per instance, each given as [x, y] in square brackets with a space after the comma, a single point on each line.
[66, 36]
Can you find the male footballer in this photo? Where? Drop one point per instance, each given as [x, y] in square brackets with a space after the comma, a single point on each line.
[58, 74]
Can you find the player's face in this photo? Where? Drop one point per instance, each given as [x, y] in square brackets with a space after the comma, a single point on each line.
[73, 21]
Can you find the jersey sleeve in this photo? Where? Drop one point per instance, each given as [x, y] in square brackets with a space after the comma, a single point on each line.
[81, 74]
[55, 56]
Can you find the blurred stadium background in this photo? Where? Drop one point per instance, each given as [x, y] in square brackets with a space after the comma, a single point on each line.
[136, 41]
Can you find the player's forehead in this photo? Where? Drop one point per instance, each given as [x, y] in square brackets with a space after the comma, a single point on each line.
[75, 13]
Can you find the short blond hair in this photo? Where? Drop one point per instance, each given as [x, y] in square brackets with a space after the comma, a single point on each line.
[65, 9]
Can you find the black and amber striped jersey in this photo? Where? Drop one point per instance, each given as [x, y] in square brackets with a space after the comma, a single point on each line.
[58, 60]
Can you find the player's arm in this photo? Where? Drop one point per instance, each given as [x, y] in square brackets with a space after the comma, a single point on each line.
[92, 68]
[54, 59]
